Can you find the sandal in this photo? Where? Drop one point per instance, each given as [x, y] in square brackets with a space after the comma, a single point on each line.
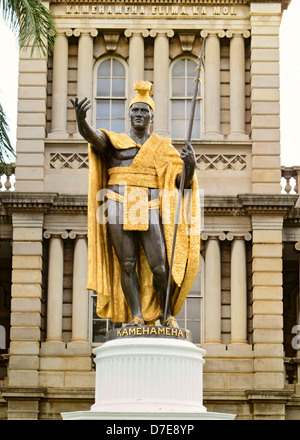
[136, 321]
[171, 322]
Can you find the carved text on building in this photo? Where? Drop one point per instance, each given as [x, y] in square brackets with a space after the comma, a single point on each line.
[162, 10]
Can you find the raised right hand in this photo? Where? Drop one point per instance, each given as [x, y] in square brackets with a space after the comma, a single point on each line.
[80, 108]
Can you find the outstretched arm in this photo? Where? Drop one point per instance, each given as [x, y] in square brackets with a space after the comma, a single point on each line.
[97, 139]
[188, 156]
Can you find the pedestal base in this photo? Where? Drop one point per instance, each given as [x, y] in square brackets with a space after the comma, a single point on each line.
[144, 378]
[94, 415]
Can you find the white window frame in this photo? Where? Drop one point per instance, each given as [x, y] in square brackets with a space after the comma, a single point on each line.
[201, 96]
[183, 322]
[95, 98]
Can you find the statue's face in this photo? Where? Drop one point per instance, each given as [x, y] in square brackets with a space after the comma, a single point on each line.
[140, 115]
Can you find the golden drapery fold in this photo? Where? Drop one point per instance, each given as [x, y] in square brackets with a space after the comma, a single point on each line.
[104, 274]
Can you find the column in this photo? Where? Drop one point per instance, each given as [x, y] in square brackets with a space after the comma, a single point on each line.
[85, 65]
[80, 294]
[237, 85]
[212, 97]
[267, 302]
[55, 288]
[295, 340]
[60, 86]
[161, 80]
[265, 97]
[238, 281]
[136, 57]
[32, 109]
[26, 301]
[26, 308]
[212, 295]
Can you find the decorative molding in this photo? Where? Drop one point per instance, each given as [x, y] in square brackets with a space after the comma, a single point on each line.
[69, 160]
[186, 41]
[111, 41]
[221, 162]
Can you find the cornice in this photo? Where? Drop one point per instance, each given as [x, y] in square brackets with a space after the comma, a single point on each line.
[194, 2]
[240, 205]
[284, 3]
[47, 203]
[250, 204]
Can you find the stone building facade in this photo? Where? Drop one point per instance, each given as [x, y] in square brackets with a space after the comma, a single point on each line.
[244, 306]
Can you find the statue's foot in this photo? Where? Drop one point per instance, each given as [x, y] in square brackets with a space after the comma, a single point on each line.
[171, 322]
[136, 321]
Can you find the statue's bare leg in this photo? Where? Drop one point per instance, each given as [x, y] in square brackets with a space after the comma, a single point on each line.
[153, 243]
[125, 247]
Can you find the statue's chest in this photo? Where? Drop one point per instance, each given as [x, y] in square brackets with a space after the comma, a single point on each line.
[120, 158]
[129, 153]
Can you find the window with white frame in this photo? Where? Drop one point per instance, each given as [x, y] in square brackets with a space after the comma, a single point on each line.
[191, 315]
[99, 326]
[183, 73]
[110, 95]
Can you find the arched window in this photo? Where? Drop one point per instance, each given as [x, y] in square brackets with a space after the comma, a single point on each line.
[183, 73]
[110, 95]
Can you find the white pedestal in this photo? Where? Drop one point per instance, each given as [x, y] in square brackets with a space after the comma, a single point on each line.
[148, 379]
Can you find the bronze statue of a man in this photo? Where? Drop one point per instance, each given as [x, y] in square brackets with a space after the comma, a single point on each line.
[129, 257]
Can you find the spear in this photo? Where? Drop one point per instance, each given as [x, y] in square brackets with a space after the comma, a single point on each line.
[182, 179]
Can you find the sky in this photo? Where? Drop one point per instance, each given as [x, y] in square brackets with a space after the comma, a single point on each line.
[289, 82]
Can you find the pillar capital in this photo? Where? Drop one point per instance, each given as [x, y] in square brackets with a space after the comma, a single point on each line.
[64, 32]
[161, 33]
[238, 236]
[136, 32]
[91, 32]
[56, 234]
[212, 33]
[237, 33]
[213, 236]
[64, 234]
[75, 235]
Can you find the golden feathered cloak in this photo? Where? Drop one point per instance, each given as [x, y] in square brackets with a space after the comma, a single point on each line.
[104, 276]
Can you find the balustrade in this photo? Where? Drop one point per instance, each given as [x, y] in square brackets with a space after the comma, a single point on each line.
[290, 179]
[7, 179]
